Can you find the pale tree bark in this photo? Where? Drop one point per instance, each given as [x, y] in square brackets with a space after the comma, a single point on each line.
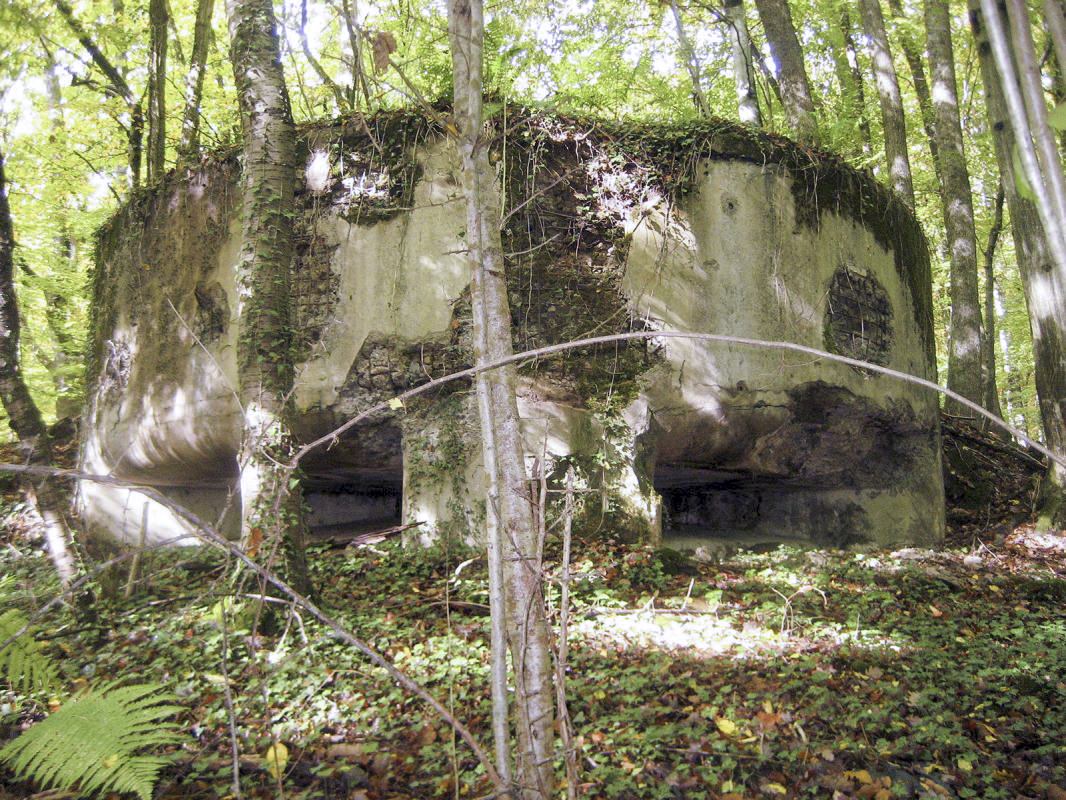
[893, 121]
[912, 52]
[509, 503]
[179, 52]
[327, 81]
[743, 62]
[57, 304]
[988, 342]
[1055, 42]
[157, 89]
[849, 76]
[116, 85]
[1037, 264]
[189, 144]
[964, 331]
[692, 63]
[272, 516]
[360, 87]
[785, 48]
[22, 413]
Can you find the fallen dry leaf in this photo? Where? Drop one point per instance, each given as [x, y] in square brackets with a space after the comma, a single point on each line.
[255, 539]
[346, 750]
[384, 46]
[861, 775]
[766, 720]
[428, 735]
[726, 726]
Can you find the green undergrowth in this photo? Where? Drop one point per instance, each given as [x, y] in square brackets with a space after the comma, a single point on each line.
[785, 674]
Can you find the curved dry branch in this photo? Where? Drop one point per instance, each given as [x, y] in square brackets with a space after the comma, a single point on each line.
[333, 436]
[210, 535]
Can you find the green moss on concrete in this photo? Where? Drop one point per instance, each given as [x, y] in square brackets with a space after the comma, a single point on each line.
[570, 185]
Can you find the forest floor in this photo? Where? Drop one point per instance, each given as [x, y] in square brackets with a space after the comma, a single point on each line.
[790, 674]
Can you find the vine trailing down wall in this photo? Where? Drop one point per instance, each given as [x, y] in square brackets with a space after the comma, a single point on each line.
[607, 228]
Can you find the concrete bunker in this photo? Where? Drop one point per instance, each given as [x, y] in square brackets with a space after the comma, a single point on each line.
[710, 227]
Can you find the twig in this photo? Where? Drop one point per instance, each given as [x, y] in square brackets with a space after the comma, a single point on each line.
[555, 349]
[135, 563]
[565, 726]
[208, 534]
[235, 753]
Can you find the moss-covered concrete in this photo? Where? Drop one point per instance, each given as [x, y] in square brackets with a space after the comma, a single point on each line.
[712, 228]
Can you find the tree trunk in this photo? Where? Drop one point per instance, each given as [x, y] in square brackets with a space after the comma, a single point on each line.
[743, 63]
[791, 72]
[57, 302]
[189, 145]
[338, 95]
[913, 55]
[1055, 53]
[964, 333]
[157, 90]
[504, 452]
[116, 84]
[894, 123]
[1035, 263]
[360, 86]
[272, 516]
[22, 413]
[692, 63]
[988, 342]
[849, 76]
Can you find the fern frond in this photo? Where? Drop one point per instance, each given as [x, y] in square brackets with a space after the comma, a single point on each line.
[92, 743]
[22, 664]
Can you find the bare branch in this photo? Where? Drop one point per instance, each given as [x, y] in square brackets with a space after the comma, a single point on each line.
[210, 535]
[334, 435]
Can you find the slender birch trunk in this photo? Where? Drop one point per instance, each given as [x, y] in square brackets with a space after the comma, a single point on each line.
[849, 76]
[988, 342]
[272, 515]
[692, 63]
[510, 497]
[189, 145]
[57, 304]
[157, 89]
[23, 415]
[964, 332]
[360, 87]
[743, 63]
[894, 123]
[116, 84]
[327, 81]
[791, 73]
[1036, 263]
[912, 53]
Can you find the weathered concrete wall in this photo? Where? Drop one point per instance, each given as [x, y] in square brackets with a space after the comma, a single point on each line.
[600, 240]
[792, 432]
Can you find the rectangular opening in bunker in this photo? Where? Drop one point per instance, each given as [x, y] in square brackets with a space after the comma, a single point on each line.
[344, 507]
[702, 505]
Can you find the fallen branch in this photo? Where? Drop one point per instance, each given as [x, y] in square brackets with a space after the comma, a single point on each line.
[333, 437]
[210, 536]
[370, 537]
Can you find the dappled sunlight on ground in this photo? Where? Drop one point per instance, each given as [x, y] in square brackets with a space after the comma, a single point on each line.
[792, 673]
[705, 634]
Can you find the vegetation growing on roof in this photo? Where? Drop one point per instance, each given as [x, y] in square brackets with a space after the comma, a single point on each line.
[649, 161]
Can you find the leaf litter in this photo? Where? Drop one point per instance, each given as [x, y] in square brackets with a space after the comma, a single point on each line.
[791, 674]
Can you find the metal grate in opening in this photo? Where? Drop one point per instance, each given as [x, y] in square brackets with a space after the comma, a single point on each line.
[858, 321]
